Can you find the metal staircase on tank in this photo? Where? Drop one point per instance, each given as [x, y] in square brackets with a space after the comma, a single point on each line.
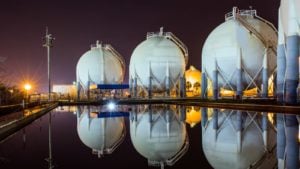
[239, 15]
[173, 38]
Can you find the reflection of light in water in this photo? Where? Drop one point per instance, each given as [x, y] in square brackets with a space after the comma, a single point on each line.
[193, 115]
[111, 106]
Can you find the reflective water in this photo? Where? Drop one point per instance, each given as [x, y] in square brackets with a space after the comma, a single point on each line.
[143, 136]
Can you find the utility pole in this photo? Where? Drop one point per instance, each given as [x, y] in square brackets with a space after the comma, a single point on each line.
[48, 44]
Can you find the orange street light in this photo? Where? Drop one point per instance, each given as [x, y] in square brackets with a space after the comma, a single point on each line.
[27, 87]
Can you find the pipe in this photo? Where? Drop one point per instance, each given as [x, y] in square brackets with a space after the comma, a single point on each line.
[281, 142]
[292, 145]
[292, 69]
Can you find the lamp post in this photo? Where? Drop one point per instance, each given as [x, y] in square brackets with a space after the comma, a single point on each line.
[48, 44]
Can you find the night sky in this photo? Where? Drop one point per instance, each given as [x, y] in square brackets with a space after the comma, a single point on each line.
[121, 23]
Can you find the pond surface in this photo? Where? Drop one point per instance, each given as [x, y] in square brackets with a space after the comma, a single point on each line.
[142, 136]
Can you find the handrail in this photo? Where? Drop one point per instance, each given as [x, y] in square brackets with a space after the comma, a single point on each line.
[119, 56]
[173, 38]
[257, 34]
[239, 16]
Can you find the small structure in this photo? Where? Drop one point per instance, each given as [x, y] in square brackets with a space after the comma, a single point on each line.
[193, 80]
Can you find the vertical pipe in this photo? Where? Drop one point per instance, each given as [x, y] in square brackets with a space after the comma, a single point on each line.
[239, 85]
[168, 79]
[265, 75]
[215, 82]
[150, 81]
[203, 85]
[292, 146]
[292, 69]
[135, 87]
[275, 85]
[281, 142]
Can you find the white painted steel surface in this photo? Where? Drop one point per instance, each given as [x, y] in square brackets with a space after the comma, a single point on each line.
[99, 133]
[242, 34]
[221, 147]
[158, 56]
[100, 65]
[158, 139]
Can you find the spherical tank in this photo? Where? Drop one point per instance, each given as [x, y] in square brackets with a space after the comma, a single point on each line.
[241, 42]
[160, 56]
[225, 148]
[193, 78]
[158, 139]
[99, 133]
[100, 65]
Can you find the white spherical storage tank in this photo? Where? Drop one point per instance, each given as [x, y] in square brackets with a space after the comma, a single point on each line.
[102, 135]
[100, 65]
[237, 140]
[158, 134]
[237, 52]
[157, 64]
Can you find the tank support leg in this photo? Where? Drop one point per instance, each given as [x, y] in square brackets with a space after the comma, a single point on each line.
[135, 87]
[182, 87]
[78, 90]
[150, 87]
[168, 82]
[239, 86]
[292, 69]
[203, 86]
[265, 76]
[215, 82]
[88, 90]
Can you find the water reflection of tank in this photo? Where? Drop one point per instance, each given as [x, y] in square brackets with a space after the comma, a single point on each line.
[193, 115]
[240, 54]
[235, 139]
[157, 66]
[102, 64]
[158, 133]
[103, 135]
